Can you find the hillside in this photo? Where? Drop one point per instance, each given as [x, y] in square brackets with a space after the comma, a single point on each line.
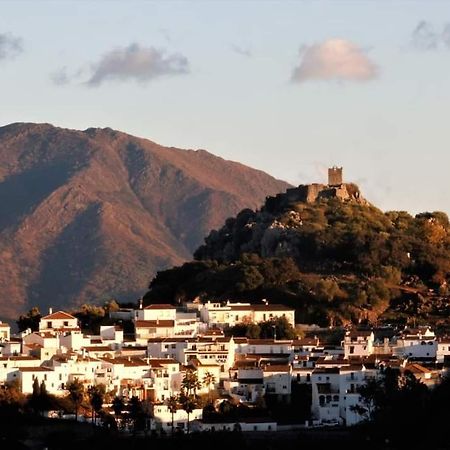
[332, 256]
[90, 215]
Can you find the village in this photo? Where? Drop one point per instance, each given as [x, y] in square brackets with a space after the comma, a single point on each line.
[172, 344]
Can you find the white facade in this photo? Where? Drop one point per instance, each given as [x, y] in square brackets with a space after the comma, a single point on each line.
[59, 320]
[443, 351]
[230, 314]
[162, 418]
[358, 343]
[5, 332]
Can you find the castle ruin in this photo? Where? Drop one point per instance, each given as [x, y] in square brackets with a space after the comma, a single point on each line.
[309, 193]
[335, 176]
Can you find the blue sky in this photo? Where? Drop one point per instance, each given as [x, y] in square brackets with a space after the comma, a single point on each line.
[250, 81]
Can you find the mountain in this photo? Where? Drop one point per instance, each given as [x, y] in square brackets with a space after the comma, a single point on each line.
[327, 252]
[89, 215]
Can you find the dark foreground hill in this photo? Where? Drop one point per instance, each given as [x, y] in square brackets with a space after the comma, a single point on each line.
[332, 256]
[90, 215]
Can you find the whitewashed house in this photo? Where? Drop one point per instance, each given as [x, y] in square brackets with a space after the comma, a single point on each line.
[358, 343]
[58, 321]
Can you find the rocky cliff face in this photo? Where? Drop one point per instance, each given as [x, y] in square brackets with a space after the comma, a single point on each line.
[273, 231]
[90, 215]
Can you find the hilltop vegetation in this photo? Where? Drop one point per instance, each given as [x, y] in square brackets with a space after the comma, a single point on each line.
[334, 261]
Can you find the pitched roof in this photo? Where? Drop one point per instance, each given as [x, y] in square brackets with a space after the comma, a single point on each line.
[58, 315]
[277, 368]
[154, 323]
[274, 307]
[160, 306]
[35, 369]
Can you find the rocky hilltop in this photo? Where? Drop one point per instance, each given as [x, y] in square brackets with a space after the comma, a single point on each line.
[89, 215]
[327, 252]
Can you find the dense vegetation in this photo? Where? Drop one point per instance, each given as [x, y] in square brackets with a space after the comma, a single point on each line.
[333, 261]
[404, 412]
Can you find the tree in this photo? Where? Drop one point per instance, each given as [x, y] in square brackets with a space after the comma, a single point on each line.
[30, 320]
[209, 380]
[189, 403]
[190, 382]
[118, 406]
[136, 412]
[279, 327]
[76, 395]
[172, 406]
[96, 395]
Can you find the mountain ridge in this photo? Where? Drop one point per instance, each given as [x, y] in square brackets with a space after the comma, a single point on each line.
[89, 215]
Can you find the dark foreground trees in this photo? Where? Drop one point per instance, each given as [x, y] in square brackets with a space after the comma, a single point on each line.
[404, 411]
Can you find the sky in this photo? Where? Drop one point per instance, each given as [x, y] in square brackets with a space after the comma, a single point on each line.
[288, 87]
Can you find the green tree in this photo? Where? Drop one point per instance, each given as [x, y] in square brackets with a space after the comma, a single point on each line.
[278, 327]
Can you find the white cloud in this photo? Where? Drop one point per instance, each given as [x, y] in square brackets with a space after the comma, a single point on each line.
[10, 46]
[334, 59]
[137, 63]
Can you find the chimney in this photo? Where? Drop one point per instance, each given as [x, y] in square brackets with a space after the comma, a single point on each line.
[50, 310]
[141, 303]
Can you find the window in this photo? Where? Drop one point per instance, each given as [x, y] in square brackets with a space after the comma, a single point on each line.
[352, 349]
[66, 323]
[308, 377]
[49, 324]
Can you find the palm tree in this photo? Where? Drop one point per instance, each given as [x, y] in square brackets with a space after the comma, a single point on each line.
[76, 394]
[172, 405]
[118, 406]
[96, 398]
[190, 382]
[189, 403]
[209, 380]
[136, 411]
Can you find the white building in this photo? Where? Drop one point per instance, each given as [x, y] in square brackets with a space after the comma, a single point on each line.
[59, 320]
[443, 351]
[418, 343]
[5, 332]
[227, 315]
[358, 343]
[162, 418]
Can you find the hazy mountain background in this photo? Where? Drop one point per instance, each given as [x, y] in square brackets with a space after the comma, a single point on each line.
[90, 215]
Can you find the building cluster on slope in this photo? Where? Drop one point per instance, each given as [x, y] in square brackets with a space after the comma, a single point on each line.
[168, 342]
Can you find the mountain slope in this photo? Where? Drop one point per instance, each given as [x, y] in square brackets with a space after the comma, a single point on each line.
[90, 215]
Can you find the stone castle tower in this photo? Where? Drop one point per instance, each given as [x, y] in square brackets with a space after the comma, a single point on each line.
[335, 176]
